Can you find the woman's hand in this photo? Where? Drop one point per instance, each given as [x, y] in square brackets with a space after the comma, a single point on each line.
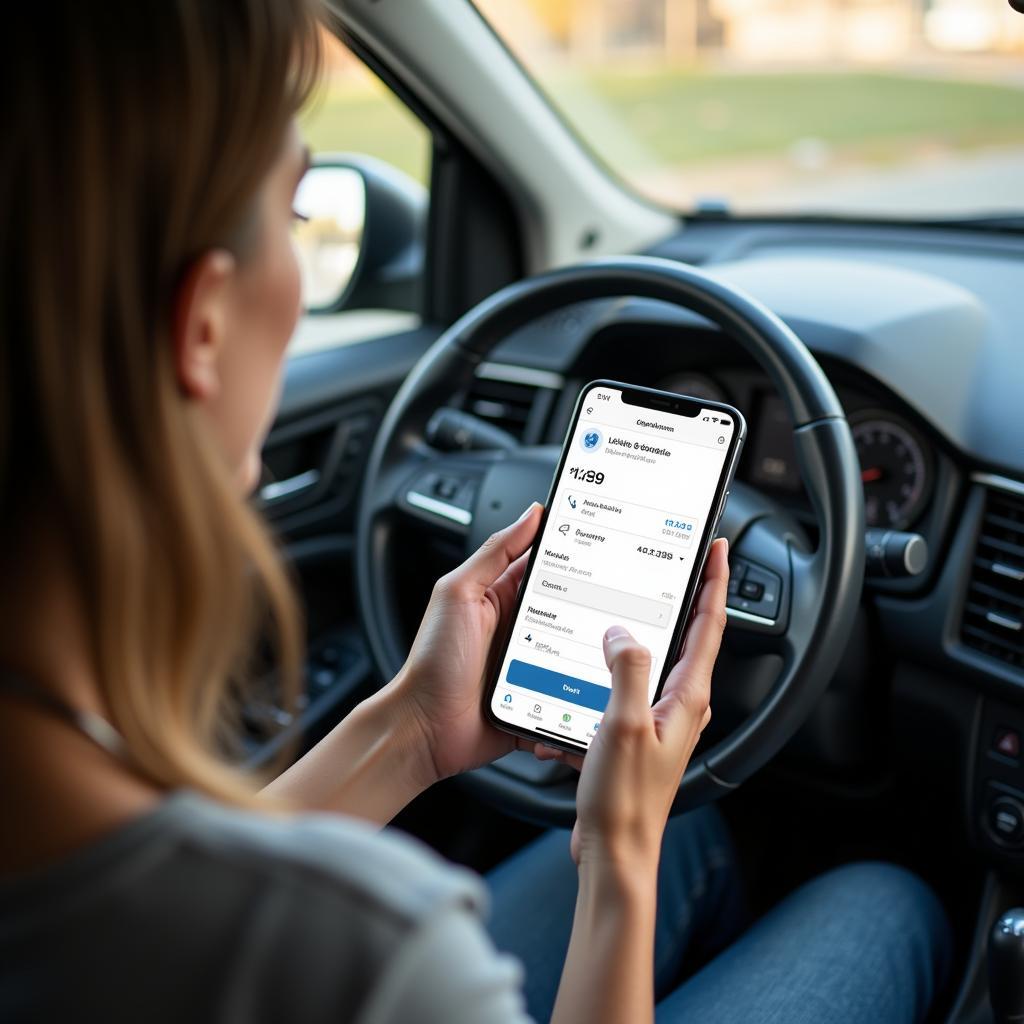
[629, 778]
[632, 770]
[441, 683]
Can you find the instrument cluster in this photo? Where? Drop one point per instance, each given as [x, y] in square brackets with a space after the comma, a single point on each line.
[897, 462]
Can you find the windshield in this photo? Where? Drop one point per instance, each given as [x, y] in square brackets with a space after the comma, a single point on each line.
[878, 108]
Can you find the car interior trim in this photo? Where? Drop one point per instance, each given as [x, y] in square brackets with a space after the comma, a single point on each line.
[439, 508]
[1009, 571]
[760, 620]
[1000, 483]
[1004, 621]
[521, 375]
[280, 489]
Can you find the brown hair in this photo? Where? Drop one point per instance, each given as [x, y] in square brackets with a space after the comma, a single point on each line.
[136, 136]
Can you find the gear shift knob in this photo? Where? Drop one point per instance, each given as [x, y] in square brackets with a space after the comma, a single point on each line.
[1006, 967]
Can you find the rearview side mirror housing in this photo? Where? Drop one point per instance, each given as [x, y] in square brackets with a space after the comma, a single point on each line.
[361, 239]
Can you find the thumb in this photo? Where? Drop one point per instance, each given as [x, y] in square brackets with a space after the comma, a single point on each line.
[630, 665]
[500, 550]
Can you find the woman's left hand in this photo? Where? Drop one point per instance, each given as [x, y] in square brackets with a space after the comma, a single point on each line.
[441, 684]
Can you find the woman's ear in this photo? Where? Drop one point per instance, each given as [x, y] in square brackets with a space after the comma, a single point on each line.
[201, 315]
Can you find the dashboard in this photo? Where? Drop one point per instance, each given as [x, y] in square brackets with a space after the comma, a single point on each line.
[919, 332]
[932, 318]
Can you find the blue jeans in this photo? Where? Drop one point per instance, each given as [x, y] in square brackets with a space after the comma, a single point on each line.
[866, 942]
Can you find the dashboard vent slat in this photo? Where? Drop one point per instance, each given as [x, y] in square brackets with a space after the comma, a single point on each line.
[503, 403]
[508, 397]
[999, 593]
[993, 620]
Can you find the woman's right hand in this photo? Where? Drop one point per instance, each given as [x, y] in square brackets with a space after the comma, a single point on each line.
[632, 770]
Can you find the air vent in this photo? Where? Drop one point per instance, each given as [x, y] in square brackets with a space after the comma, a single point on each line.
[994, 613]
[518, 399]
[503, 403]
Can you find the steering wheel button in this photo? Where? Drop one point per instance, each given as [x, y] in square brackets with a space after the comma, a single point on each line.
[752, 590]
[446, 487]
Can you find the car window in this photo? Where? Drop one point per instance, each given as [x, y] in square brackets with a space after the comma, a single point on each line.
[354, 111]
[352, 114]
[891, 108]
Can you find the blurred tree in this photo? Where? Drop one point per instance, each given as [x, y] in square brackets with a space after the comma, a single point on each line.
[556, 16]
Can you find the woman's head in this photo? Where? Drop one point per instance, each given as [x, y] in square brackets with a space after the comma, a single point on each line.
[233, 312]
[148, 292]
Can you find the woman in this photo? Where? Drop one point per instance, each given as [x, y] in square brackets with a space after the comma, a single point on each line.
[147, 295]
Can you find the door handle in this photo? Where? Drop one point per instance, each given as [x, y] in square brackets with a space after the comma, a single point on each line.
[290, 487]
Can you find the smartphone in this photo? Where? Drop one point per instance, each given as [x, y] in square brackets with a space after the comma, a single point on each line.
[629, 520]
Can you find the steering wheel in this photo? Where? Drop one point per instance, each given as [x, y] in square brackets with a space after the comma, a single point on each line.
[466, 496]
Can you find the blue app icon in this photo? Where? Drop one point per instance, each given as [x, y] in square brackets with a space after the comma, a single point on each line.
[591, 439]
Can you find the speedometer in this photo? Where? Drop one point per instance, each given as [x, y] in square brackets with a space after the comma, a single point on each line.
[895, 469]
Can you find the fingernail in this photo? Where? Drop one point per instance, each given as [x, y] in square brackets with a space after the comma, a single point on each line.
[529, 509]
[615, 632]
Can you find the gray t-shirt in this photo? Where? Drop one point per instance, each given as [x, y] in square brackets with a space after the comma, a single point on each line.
[196, 912]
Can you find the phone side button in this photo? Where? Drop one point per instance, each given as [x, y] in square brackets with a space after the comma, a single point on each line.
[721, 509]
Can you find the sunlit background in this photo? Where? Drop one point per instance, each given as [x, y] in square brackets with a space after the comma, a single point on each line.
[893, 108]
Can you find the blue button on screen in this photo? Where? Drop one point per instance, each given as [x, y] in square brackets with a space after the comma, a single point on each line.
[557, 684]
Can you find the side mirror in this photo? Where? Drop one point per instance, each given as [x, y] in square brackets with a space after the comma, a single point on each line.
[361, 244]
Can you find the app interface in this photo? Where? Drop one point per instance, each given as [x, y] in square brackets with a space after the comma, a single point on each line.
[619, 547]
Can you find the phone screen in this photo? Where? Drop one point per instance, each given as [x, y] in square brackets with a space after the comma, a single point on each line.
[625, 533]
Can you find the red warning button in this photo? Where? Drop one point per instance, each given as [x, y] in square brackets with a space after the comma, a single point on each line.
[1006, 742]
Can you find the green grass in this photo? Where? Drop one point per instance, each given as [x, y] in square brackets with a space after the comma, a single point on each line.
[683, 116]
[364, 120]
